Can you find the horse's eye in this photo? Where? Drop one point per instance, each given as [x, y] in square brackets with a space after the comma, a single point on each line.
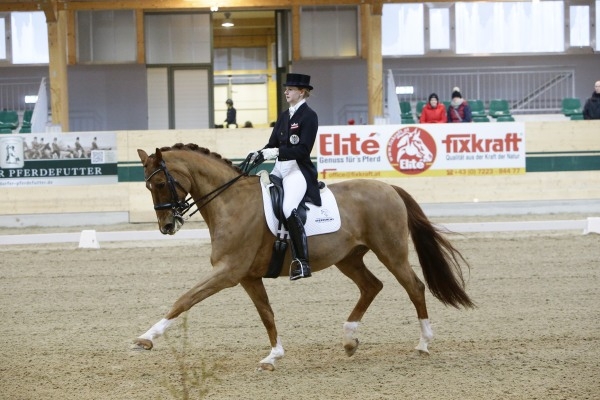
[160, 185]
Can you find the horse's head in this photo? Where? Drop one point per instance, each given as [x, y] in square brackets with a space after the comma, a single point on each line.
[169, 187]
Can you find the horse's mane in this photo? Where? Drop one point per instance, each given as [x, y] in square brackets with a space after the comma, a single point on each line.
[202, 150]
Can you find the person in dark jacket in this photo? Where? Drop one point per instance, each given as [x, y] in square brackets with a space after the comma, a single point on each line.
[231, 114]
[291, 142]
[591, 109]
[459, 109]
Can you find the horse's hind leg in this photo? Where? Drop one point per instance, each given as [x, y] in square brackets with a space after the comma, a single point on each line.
[397, 263]
[257, 292]
[354, 268]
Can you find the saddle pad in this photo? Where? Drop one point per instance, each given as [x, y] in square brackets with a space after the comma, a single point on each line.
[319, 220]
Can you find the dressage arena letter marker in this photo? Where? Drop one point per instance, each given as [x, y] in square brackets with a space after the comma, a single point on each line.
[593, 225]
[88, 240]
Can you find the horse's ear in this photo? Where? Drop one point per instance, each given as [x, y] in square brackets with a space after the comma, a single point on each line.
[143, 155]
[158, 155]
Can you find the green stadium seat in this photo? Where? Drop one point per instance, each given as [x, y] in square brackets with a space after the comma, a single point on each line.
[477, 109]
[505, 118]
[419, 109]
[499, 108]
[571, 106]
[479, 118]
[406, 113]
[8, 120]
[576, 117]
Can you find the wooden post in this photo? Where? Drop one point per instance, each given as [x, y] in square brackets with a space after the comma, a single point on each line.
[372, 35]
[57, 45]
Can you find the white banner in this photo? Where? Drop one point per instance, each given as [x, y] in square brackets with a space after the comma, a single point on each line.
[391, 151]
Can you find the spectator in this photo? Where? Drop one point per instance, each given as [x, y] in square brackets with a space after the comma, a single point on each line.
[591, 109]
[248, 124]
[434, 111]
[459, 110]
[231, 121]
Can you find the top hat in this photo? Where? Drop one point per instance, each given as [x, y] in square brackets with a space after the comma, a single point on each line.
[298, 80]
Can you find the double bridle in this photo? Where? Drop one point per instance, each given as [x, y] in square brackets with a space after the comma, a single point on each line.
[179, 206]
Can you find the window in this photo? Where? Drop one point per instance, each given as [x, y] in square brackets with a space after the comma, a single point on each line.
[178, 38]
[29, 34]
[402, 30]
[2, 42]
[106, 36]
[339, 25]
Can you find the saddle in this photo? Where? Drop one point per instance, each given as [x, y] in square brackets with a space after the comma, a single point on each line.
[281, 241]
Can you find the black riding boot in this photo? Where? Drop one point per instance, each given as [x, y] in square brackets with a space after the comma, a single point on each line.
[299, 268]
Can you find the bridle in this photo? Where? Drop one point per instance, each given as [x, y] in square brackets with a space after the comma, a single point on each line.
[180, 207]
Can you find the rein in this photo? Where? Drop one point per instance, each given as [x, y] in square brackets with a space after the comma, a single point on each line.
[180, 207]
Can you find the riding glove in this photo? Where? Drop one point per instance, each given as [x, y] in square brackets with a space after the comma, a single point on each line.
[253, 156]
[270, 153]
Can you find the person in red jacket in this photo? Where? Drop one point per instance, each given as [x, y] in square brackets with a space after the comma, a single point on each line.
[434, 111]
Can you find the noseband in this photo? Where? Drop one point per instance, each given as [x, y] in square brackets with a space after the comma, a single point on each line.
[179, 206]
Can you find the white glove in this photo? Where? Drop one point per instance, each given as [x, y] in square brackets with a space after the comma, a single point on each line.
[253, 156]
[270, 154]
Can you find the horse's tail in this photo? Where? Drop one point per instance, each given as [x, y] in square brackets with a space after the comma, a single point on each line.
[439, 259]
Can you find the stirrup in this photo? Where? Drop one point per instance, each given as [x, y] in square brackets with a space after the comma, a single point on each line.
[302, 270]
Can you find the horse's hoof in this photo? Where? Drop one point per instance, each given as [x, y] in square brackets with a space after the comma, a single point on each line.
[142, 344]
[266, 367]
[350, 348]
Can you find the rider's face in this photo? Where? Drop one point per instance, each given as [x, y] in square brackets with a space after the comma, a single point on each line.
[293, 95]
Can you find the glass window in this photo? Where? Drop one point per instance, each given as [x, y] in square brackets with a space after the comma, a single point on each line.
[579, 22]
[439, 28]
[2, 42]
[106, 36]
[178, 38]
[402, 30]
[29, 34]
[510, 27]
[338, 24]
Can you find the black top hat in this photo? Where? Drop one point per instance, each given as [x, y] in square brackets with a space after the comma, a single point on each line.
[298, 80]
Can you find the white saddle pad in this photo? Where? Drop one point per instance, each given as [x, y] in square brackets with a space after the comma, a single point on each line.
[319, 220]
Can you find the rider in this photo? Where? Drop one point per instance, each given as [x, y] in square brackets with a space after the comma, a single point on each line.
[291, 142]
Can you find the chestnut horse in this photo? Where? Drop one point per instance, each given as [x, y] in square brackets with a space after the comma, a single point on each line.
[374, 216]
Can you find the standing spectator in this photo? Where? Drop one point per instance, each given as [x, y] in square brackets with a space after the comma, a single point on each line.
[434, 111]
[591, 109]
[459, 110]
[231, 114]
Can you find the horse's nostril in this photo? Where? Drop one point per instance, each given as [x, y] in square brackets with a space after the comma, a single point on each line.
[168, 228]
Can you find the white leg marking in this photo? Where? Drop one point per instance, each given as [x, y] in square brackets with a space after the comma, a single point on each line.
[158, 329]
[277, 352]
[426, 336]
[350, 329]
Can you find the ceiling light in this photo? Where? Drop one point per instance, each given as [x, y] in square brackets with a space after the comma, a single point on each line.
[228, 22]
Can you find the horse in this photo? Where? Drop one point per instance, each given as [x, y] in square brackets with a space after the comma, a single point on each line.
[375, 216]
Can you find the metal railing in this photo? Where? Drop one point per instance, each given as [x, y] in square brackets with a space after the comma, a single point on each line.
[527, 90]
[14, 90]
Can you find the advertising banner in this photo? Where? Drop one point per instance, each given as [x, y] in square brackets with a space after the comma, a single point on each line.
[29, 160]
[394, 151]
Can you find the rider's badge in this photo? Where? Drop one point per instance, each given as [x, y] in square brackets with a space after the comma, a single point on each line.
[294, 139]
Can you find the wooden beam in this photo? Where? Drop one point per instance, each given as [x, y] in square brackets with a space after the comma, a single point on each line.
[374, 65]
[140, 37]
[57, 44]
[71, 38]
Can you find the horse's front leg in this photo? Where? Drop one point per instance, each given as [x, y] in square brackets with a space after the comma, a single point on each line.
[219, 278]
[257, 292]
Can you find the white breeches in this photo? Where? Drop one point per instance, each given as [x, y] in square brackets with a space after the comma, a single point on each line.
[294, 184]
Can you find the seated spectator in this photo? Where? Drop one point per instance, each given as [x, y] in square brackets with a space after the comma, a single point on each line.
[591, 109]
[459, 110]
[434, 111]
[248, 124]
